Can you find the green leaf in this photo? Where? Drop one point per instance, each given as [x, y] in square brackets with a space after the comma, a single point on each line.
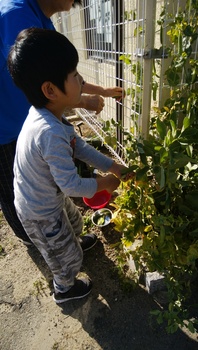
[155, 312]
[173, 328]
[164, 155]
[148, 228]
[189, 135]
[140, 147]
[154, 88]
[173, 77]
[194, 233]
[186, 123]
[162, 234]
[126, 59]
[192, 253]
[175, 146]
[129, 170]
[157, 170]
[180, 161]
[192, 199]
[111, 141]
[162, 178]
[191, 327]
[168, 138]
[180, 43]
[101, 220]
[188, 31]
[158, 148]
[141, 173]
[189, 150]
[148, 148]
[161, 128]
[172, 177]
[185, 209]
[173, 127]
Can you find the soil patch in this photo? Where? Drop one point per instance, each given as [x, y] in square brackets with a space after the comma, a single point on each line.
[110, 318]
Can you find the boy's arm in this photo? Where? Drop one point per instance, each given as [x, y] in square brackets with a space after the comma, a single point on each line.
[91, 102]
[57, 151]
[115, 91]
[97, 159]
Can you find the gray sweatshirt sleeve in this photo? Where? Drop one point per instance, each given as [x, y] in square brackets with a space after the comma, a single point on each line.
[91, 156]
[58, 153]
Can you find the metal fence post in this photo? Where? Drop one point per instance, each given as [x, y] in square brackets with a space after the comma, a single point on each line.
[150, 14]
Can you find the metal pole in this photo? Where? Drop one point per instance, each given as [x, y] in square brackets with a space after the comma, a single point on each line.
[150, 13]
[119, 16]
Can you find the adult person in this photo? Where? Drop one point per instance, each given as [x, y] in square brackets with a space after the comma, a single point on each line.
[16, 15]
[45, 175]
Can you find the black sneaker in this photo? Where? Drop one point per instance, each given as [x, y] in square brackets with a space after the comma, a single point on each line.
[80, 289]
[88, 241]
[27, 243]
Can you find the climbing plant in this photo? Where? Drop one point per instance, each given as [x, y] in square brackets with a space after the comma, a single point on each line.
[159, 206]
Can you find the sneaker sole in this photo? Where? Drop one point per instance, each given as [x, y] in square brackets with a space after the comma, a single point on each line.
[68, 299]
[27, 244]
[85, 250]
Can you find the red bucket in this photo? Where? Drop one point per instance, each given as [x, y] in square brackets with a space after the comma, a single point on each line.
[99, 200]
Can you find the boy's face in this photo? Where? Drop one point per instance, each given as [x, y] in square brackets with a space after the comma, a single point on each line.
[73, 88]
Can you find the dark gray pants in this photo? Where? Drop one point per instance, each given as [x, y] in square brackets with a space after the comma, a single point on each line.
[57, 240]
[7, 153]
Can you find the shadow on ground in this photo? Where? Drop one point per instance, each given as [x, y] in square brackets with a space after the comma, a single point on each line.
[114, 318]
[118, 320]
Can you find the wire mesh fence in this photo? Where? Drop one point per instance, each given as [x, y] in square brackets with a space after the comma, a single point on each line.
[122, 43]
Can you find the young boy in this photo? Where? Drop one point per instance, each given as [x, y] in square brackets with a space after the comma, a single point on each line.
[15, 16]
[43, 64]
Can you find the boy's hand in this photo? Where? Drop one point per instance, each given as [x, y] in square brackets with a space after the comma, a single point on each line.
[113, 183]
[92, 102]
[122, 172]
[95, 103]
[118, 169]
[108, 182]
[127, 174]
[115, 92]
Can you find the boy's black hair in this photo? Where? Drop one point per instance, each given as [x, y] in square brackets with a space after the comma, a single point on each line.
[40, 55]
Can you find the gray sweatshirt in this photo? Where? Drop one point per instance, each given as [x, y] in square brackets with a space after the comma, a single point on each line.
[44, 170]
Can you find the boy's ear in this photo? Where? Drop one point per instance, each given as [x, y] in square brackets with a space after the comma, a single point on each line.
[49, 90]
